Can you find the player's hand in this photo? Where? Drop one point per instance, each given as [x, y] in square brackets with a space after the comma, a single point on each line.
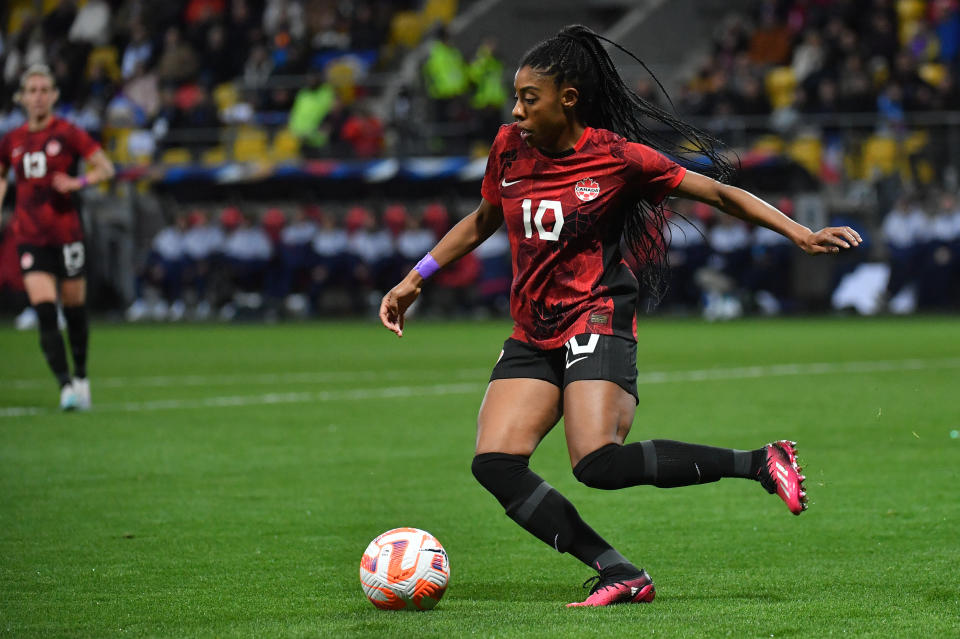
[395, 304]
[830, 240]
[65, 183]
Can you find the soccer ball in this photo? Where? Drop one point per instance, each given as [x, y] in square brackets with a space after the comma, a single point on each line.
[404, 568]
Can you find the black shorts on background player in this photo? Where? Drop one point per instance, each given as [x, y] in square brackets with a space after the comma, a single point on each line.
[66, 261]
[583, 357]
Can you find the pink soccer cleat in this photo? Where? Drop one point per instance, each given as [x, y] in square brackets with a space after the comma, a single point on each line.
[781, 475]
[608, 591]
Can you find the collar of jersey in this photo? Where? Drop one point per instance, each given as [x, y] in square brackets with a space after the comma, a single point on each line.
[567, 152]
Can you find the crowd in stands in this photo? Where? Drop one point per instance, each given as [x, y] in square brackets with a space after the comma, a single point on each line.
[308, 262]
[170, 73]
[923, 239]
[173, 74]
[828, 57]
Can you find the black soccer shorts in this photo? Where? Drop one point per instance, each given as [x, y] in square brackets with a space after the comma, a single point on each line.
[585, 356]
[65, 261]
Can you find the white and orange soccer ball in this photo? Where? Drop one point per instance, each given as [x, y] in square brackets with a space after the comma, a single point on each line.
[404, 569]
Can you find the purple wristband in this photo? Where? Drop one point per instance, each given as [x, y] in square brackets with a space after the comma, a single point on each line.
[84, 181]
[427, 266]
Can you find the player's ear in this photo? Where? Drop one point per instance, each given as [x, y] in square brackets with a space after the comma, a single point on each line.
[569, 96]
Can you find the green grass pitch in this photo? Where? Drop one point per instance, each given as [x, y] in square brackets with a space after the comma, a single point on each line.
[230, 477]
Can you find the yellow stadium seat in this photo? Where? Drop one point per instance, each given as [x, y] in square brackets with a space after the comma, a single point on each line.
[176, 156]
[439, 11]
[406, 29]
[250, 144]
[108, 58]
[285, 147]
[780, 83]
[910, 10]
[879, 156]
[115, 144]
[933, 73]
[225, 95]
[808, 152]
[768, 143]
[214, 156]
[19, 11]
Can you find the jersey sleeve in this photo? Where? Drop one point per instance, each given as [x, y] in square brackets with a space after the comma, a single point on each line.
[655, 174]
[490, 189]
[83, 144]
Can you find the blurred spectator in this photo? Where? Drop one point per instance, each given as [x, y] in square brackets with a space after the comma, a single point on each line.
[687, 251]
[246, 255]
[284, 15]
[178, 62]
[57, 23]
[203, 243]
[310, 108]
[162, 275]
[143, 90]
[489, 95]
[903, 231]
[219, 63]
[333, 266]
[939, 264]
[258, 68]
[372, 249]
[297, 259]
[139, 50]
[496, 275]
[363, 131]
[769, 273]
[770, 43]
[92, 24]
[445, 76]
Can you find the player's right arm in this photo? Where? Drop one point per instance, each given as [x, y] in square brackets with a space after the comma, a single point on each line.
[466, 235]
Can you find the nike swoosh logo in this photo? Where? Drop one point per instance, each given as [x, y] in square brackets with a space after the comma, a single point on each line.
[574, 361]
[505, 183]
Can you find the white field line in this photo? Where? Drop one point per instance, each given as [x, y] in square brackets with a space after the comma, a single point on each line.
[653, 377]
[316, 377]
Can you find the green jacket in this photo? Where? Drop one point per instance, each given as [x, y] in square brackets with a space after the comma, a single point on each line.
[486, 73]
[445, 72]
[310, 108]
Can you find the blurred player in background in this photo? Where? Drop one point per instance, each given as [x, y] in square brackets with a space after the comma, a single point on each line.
[575, 178]
[47, 226]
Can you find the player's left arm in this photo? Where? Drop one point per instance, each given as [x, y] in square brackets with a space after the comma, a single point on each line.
[750, 208]
[99, 169]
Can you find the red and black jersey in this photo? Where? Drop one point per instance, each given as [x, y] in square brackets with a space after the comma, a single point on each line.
[44, 216]
[565, 216]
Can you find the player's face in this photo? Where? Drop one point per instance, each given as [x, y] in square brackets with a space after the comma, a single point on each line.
[543, 109]
[38, 96]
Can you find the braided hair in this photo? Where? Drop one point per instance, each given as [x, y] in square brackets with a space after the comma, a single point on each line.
[576, 56]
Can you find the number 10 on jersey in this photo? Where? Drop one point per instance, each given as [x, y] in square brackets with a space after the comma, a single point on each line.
[537, 219]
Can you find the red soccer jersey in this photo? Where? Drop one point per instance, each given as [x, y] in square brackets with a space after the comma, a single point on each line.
[43, 215]
[565, 217]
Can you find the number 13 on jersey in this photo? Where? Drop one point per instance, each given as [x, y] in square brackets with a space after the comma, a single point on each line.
[537, 219]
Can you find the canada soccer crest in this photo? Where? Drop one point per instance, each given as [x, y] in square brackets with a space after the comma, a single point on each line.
[26, 261]
[53, 147]
[587, 189]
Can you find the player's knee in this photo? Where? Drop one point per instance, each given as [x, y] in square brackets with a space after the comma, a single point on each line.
[496, 472]
[594, 469]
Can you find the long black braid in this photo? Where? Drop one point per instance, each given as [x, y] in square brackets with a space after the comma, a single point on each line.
[576, 56]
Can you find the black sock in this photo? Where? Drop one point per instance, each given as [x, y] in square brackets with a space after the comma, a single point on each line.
[542, 511]
[78, 329]
[51, 342]
[664, 463]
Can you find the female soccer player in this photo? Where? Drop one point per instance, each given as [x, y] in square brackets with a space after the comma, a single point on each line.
[47, 227]
[571, 178]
